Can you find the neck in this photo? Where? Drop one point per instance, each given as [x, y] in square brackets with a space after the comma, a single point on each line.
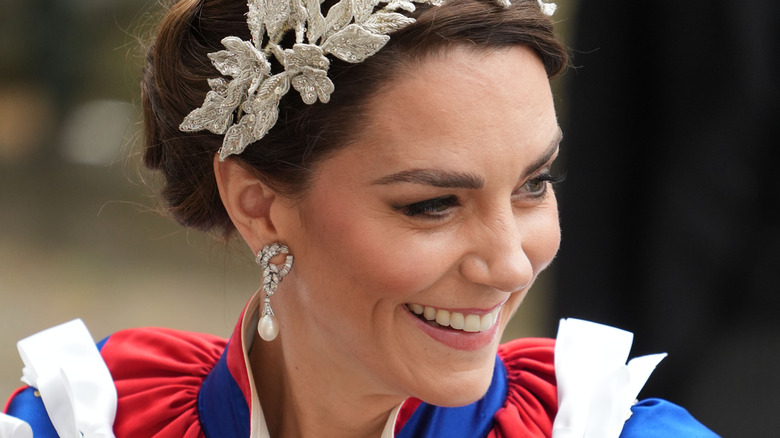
[303, 396]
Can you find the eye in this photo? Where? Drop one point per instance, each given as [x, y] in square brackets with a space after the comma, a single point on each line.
[435, 208]
[537, 186]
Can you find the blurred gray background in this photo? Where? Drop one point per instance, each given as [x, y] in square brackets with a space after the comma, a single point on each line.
[80, 232]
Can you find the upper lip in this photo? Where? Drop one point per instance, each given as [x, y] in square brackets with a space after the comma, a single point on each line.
[469, 310]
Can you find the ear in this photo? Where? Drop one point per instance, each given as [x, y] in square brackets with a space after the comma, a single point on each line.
[248, 202]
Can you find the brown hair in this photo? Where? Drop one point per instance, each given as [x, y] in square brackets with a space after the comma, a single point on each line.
[177, 67]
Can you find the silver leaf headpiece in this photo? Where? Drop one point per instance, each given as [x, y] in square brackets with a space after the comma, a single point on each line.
[352, 31]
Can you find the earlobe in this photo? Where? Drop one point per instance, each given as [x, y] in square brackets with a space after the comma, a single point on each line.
[248, 202]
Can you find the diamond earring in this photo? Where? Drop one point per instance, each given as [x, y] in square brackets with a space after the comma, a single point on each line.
[268, 326]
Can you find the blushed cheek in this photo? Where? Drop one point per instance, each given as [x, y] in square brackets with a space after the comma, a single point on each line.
[395, 265]
[364, 254]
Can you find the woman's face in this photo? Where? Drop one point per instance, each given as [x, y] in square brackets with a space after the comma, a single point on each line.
[442, 207]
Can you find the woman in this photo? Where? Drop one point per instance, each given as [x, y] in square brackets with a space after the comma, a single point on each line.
[391, 169]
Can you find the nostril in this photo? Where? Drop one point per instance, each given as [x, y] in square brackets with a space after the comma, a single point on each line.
[501, 271]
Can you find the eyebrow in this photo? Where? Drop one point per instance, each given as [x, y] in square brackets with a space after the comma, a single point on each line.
[458, 180]
[541, 161]
[435, 178]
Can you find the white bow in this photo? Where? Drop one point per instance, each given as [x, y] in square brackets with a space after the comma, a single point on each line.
[595, 386]
[11, 427]
[76, 387]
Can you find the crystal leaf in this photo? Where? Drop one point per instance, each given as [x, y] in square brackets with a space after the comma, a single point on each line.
[240, 58]
[226, 62]
[264, 121]
[261, 113]
[218, 84]
[236, 140]
[316, 21]
[212, 116]
[255, 19]
[277, 15]
[383, 23]
[547, 8]
[234, 93]
[406, 5]
[354, 43]
[362, 9]
[339, 16]
[244, 51]
[274, 87]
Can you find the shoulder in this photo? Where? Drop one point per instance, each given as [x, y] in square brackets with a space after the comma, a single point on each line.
[532, 397]
[659, 418]
[157, 373]
[153, 353]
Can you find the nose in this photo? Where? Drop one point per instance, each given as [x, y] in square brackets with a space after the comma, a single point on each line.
[496, 257]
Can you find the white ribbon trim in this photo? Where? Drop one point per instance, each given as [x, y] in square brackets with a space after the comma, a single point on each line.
[595, 386]
[76, 387]
[11, 427]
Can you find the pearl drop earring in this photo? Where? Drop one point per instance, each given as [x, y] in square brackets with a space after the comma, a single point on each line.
[268, 326]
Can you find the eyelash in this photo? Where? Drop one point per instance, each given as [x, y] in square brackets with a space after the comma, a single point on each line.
[437, 208]
[543, 179]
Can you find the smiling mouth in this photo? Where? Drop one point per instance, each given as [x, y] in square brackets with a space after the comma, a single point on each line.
[441, 318]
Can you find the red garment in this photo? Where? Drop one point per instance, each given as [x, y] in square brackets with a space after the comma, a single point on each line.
[532, 399]
[158, 373]
[174, 384]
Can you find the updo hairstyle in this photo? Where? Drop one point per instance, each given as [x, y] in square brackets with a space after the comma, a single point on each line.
[175, 82]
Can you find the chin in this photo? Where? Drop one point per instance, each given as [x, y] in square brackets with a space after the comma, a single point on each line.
[459, 389]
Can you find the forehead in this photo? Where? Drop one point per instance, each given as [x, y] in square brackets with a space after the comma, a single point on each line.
[457, 108]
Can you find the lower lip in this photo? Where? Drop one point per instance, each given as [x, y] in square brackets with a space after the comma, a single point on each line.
[457, 339]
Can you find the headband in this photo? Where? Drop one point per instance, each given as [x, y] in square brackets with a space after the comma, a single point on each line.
[245, 107]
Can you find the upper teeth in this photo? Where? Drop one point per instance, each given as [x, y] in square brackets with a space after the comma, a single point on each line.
[468, 322]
